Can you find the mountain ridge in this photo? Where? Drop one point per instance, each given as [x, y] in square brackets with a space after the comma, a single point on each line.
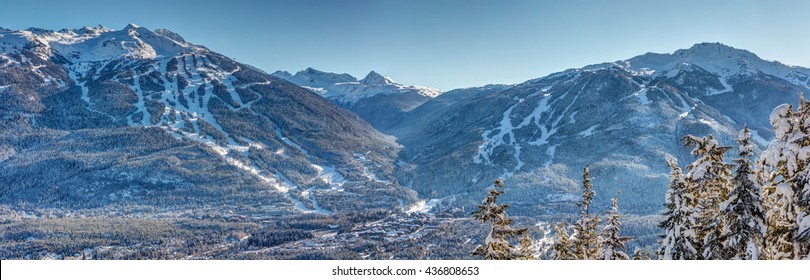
[541, 126]
[139, 123]
[377, 98]
[293, 147]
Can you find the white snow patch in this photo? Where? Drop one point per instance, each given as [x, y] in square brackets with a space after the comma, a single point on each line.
[589, 131]
[330, 176]
[366, 173]
[315, 207]
[729, 119]
[713, 124]
[685, 106]
[642, 96]
[74, 72]
[572, 117]
[141, 103]
[424, 206]
[726, 88]
[551, 152]
[318, 90]
[759, 138]
[291, 143]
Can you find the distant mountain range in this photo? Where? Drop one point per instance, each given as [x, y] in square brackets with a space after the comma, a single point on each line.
[376, 98]
[620, 117]
[142, 120]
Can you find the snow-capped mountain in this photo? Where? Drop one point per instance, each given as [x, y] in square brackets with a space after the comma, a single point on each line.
[723, 61]
[378, 99]
[97, 43]
[96, 117]
[621, 118]
[346, 88]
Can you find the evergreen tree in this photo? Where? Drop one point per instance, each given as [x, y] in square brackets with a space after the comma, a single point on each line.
[526, 251]
[585, 239]
[646, 254]
[612, 243]
[497, 245]
[680, 238]
[642, 255]
[802, 240]
[636, 254]
[708, 182]
[563, 249]
[742, 212]
[784, 166]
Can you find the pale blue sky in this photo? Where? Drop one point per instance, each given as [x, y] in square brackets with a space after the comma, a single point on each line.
[443, 44]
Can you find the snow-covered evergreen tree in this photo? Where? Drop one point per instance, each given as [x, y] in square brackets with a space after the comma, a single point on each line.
[801, 184]
[636, 254]
[680, 238]
[803, 217]
[562, 247]
[784, 165]
[743, 215]
[526, 248]
[641, 255]
[497, 245]
[708, 182]
[611, 242]
[585, 238]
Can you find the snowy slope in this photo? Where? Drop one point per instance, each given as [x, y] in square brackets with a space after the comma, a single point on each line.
[725, 61]
[376, 98]
[97, 43]
[621, 117]
[345, 88]
[265, 132]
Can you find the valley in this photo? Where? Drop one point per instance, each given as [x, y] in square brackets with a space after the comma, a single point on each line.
[135, 144]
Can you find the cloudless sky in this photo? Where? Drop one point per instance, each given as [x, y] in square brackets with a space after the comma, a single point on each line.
[442, 43]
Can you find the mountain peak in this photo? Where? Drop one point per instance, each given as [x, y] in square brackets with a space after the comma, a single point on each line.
[374, 78]
[311, 70]
[711, 45]
[97, 28]
[282, 74]
[714, 51]
[315, 76]
[86, 30]
[169, 34]
[100, 43]
[347, 88]
[716, 58]
[40, 31]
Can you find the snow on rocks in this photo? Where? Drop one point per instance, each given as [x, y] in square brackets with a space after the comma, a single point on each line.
[716, 58]
[347, 89]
